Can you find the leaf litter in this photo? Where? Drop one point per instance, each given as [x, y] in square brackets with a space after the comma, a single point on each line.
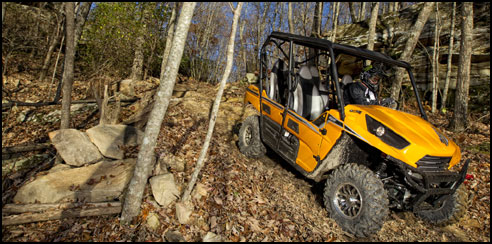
[242, 199]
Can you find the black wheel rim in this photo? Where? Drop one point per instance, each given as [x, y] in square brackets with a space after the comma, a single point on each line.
[348, 200]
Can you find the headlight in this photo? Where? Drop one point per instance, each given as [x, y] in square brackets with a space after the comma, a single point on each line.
[385, 134]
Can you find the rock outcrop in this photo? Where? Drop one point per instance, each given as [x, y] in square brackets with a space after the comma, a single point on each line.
[99, 182]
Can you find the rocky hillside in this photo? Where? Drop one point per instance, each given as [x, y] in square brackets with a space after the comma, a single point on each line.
[391, 39]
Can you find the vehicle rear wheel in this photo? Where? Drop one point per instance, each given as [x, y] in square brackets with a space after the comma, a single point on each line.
[249, 138]
[355, 197]
[450, 212]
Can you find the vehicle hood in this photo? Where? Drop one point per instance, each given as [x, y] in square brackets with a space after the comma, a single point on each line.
[422, 136]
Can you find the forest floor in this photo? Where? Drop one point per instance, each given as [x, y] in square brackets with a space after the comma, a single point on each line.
[246, 199]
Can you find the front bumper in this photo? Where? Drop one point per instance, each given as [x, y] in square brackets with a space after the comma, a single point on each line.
[432, 187]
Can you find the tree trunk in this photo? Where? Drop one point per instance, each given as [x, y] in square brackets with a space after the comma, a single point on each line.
[261, 29]
[450, 57]
[80, 21]
[146, 158]
[215, 109]
[51, 48]
[3, 11]
[137, 67]
[435, 62]
[414, 34]
[316, 29]
[460, 115]
[169, 38]
[372, 26]
[289, 17]
[335, 21]
[69, 65]
[352, 12]
[318, 11]
[362, 13]
[241, 41]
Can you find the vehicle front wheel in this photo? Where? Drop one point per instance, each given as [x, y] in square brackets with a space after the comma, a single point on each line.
[249, 138]
[355, 198]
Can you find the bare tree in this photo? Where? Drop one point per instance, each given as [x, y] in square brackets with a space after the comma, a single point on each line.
[69, 64]
[215, 108]
[289, 17]
[3, 11]
[137, 67]
[372, 26]
[55, 38]
[318, 11]
[460, 115]
[413, 36]
[146, 157]
[435, 61]
[362, 12]
[169, 38]
[335, 21]
[241, 41]
[80, 21]
[450, 58]
[352, 12]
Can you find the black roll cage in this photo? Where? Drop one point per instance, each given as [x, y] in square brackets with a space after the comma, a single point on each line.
[331, 48]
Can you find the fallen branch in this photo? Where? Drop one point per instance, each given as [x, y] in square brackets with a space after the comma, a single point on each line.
[41, 104]
[59, 214]
[28, 148]
[40, 207]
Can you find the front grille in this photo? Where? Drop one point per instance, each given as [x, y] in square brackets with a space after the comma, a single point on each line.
[433, 164]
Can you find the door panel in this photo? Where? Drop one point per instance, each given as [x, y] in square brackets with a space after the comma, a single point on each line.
[309, 142]
[272, 120]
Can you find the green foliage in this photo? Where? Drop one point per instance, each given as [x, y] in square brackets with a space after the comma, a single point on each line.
[108, 40]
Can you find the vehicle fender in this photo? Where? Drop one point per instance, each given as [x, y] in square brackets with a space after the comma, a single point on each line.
[340, 154]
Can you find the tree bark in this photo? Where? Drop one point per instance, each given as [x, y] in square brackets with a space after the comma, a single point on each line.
[69, 65]
[215, 108]
[137, 67]
[3, 11]
[289, 17]
[316, 29]
[372, 26]
[362, 13]
[435, 62]
[414, 34]
[51, 48]
[80, 21]
[58, 214]
[169, 38]
[335, 21]
[450, 57]
[146, 157]
[352, 12]
[460, 115]
[40, 207]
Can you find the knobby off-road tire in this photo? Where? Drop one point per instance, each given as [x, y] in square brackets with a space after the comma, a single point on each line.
[249, 138]
[450, 212]
[355, 198]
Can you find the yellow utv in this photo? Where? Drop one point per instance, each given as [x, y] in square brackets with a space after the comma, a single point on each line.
[373, 158]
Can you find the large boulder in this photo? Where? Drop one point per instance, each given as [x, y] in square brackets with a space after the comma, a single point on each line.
[109, 138]
[99, 182]
[75, 147]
